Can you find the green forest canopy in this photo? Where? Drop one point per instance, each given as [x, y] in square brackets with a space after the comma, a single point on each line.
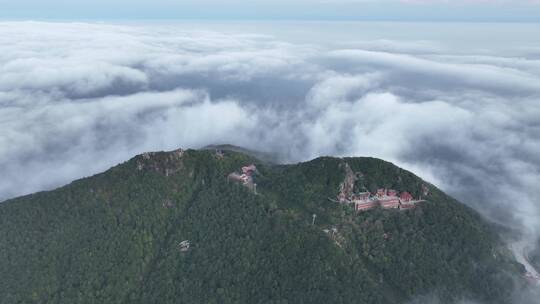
[113, 238]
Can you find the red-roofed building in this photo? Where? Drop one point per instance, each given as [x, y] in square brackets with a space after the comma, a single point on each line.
[244, 178]
[407, 200]
[365, 205]
[405, 197]
[392, 192]
[381, 192]
[249, 169]
[361, 196]
[389, 202]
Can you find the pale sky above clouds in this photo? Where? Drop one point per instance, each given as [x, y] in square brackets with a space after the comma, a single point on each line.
[410, 10]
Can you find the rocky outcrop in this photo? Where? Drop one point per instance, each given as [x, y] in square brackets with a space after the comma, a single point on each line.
[164, 163]
[346, 188]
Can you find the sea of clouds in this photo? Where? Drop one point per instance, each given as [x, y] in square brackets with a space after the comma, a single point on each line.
[77, 98]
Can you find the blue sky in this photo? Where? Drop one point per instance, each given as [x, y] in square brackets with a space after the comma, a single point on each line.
[404, 10]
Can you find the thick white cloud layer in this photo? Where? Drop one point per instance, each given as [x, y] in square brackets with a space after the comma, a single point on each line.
[78, 98]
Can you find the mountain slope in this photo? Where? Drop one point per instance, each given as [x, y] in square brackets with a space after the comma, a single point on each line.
[114, 237]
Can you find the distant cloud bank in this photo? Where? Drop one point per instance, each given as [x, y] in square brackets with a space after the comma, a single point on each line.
[78, 98]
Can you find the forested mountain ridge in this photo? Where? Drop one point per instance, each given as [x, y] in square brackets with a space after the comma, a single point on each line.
[114, 237]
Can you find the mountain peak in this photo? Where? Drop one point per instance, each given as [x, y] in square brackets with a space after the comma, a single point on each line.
[174, 226]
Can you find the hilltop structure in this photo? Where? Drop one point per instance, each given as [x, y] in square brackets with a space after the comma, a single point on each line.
[386, 198]
[246, 177]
